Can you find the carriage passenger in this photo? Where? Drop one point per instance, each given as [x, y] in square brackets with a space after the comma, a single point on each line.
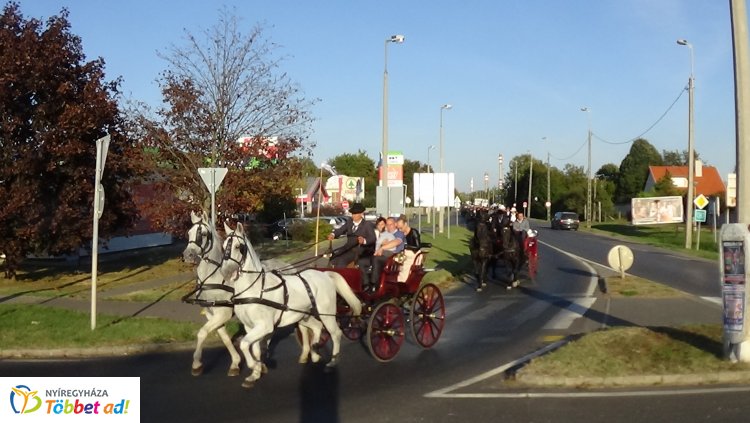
[390, 242]
[360, 241]
[520, 227]
[411, 248]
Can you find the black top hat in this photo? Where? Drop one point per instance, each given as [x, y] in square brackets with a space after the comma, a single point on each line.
[357, 208]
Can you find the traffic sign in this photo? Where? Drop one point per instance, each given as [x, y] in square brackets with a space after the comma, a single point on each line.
[345, 205]
[700, 201]
[699, 216]
[212, 177]
[525, 204]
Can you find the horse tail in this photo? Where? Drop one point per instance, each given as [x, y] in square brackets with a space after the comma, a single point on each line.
[343, 289]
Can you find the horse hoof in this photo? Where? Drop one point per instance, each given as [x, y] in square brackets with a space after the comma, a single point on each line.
[263, 368]
[248, 384]
[479, 289]
[484, 284]
[302, 360]
[233, 372]
[196, 371]
[515, 283]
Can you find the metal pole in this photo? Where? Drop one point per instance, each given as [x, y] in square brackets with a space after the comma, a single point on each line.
[548, 191]
[515, 183]
[588, 178]
[442, 163]
[384, 163]
[531, 176]
[691, 152]
[738, 11]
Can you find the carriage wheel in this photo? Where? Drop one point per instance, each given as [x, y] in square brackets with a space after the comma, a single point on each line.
[385, 332]
[351, 326]
[324, 336]
[533, 262]
[427, 315]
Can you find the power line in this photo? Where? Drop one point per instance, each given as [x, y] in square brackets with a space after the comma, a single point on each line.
[649, 128]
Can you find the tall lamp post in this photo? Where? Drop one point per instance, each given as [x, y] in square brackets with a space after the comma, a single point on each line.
[442, 163]
[547, 204]
[428, 158]
[691, 152]
[588, 178]
[384, 165]
[500, 175]
[531, 175]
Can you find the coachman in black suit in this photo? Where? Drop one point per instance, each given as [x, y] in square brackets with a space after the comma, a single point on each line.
[360, 241]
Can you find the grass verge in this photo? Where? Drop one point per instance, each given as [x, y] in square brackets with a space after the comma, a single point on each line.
[25, 326]
[636, 351]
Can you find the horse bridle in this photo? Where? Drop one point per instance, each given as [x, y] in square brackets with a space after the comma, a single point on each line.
[228, 250]
[203, 245]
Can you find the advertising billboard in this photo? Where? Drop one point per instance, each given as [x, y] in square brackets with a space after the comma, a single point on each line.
[657, 210]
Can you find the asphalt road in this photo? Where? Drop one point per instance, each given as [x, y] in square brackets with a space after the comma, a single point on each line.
[457, 380]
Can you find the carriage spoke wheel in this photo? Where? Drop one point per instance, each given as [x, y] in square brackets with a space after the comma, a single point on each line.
[427, 315]
[385, 332]
[351, 326]
[325, 337]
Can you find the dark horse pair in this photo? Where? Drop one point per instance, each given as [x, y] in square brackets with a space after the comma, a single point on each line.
[494, 242]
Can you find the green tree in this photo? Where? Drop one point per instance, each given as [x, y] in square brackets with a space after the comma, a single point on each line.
[634, 169]
[609, 172]
[358, 165]
[222, 86]
[55, 105]
[664, 187]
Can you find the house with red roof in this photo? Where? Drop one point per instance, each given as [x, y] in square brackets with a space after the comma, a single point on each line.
[707, 179]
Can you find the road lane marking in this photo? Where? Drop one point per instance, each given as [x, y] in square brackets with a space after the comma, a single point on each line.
[565, 317]
[714, 300]
[594, 274]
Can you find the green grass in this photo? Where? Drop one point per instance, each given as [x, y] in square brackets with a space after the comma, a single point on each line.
[669, 236]
[633, 286]
[25, 326]
[637, 351]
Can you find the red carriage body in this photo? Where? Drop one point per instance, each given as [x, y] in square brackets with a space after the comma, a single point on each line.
[384, 315]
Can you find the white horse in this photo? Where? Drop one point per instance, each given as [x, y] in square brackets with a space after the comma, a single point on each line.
[213, 292]
[265, 300]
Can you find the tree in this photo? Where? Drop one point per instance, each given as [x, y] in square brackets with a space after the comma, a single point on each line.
[358, 165]
[677, 157]
[634, 169]
[55, 106]
[228, 105]
[609, 172]
[664, 187]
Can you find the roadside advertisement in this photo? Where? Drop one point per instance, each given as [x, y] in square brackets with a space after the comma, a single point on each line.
[732, 271]
[657, 210]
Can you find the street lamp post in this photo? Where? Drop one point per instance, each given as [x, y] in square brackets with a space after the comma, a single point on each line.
[500, 175]
[547, 204]
[588, 177]
[384, 164]
[442, 163]
[531, 175]
[691, 152]
[428, 158]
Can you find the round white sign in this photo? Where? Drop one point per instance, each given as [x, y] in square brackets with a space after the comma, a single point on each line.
[620, 258]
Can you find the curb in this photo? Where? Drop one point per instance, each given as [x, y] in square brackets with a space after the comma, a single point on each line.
[99, 352]
[644, 380]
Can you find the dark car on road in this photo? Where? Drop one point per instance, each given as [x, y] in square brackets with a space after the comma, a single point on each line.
[565, 220]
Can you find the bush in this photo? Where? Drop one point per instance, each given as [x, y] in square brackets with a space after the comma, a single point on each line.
[305, 231]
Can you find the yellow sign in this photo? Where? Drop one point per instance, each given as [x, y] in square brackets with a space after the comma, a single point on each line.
[700, 201]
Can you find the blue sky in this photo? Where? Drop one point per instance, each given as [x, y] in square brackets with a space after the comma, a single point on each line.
[514, 72]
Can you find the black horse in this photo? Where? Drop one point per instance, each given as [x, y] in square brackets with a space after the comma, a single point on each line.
[506, 249]
[482, 248]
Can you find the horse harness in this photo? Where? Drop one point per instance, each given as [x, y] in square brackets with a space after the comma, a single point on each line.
[205, 247]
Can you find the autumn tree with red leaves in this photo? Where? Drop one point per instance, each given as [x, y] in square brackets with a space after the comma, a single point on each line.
[223, 85]
[55, 105]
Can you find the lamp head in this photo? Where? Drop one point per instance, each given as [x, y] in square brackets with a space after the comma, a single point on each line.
[683, 42]
[446, 106]
[584, 109]
[397, 38]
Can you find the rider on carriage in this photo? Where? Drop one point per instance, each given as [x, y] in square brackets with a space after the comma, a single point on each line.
[360, 241]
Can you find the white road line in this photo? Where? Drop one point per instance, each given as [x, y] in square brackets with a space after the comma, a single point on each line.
[568, 315]
[444, 393]
[594, 274]
[714, 300]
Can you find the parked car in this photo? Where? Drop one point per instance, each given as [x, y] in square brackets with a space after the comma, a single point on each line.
[335, 221]
[565, 220]
[371, 215]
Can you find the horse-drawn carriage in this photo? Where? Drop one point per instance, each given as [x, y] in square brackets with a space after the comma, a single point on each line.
[325, 302]
[392, 306]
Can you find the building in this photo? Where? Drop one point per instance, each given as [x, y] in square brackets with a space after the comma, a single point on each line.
[707, 179]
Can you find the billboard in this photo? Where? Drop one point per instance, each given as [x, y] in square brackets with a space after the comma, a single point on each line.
[657, 210]
[434, 189]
